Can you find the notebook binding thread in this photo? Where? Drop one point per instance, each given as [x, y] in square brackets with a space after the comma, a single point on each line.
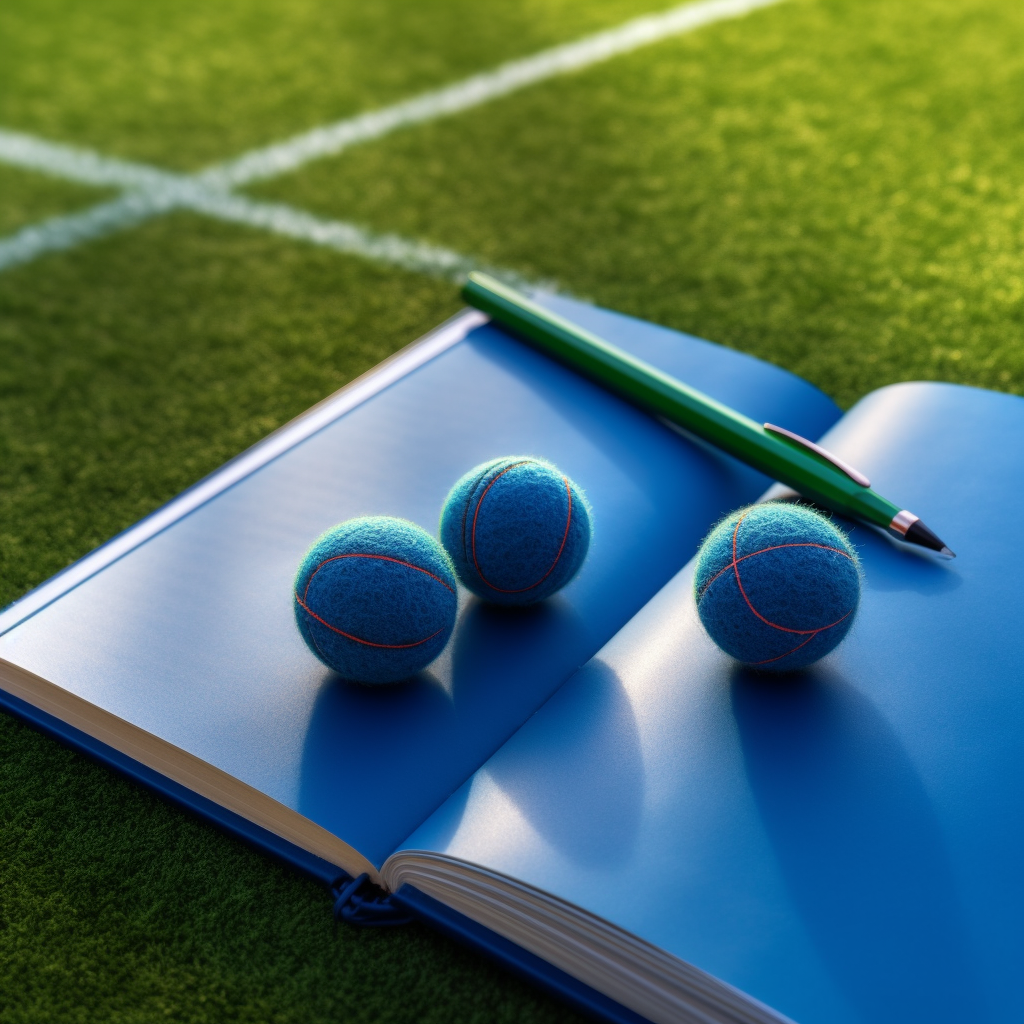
[359, 902]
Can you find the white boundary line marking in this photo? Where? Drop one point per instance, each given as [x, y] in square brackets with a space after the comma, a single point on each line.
[348, 238]
[328, 140]
[59, 233]
[134, 207]
[151, 191]
[82, 165]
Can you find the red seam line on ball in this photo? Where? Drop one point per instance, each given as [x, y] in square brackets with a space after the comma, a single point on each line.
[319, 650]
[779, 657]
[359, 639]
[469, 501]
[350, 636]
[380, 558]
[774, 625]
[561, 547]
[774, 547]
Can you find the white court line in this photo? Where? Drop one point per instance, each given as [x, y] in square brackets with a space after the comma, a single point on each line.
[328, 140]
[81, 165]
[152, 191]
[132, 208]
[59, 233]
[349, 238]
[91, 168]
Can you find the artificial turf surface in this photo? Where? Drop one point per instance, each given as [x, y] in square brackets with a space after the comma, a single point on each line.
[837, 187]
[26, 198]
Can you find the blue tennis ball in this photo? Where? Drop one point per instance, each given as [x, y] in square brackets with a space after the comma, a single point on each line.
[516, 528]
[777, 586]
[375, 599]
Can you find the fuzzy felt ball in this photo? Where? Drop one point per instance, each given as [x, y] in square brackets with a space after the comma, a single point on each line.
[777, 586]
[375, 599]
[516, 528]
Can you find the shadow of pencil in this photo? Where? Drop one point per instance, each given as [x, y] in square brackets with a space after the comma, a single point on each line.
[900, 567]
[859, 846]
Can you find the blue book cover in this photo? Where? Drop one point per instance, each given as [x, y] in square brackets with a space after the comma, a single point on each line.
[587, 787]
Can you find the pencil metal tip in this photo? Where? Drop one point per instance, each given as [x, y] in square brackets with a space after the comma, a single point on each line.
[909, 527]
[918, 533]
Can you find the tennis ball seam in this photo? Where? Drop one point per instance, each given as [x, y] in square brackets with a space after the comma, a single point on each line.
[349, 636]
[488, 467]
[739, 583]
[734, 565]
[536, 558]
[775, 547]
[561, 547]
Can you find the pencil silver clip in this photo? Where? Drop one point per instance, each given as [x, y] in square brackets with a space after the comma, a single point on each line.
[855, 475]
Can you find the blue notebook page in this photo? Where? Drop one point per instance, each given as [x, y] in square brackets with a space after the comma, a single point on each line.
[846, 845]
[190, 635]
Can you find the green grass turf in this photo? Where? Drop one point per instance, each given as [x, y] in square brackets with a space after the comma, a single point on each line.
[837, 187]
[27, 198]
[139, 364]
[186, 83]
[114, 906]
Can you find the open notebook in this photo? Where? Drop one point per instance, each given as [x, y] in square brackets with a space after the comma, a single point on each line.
[588, 788]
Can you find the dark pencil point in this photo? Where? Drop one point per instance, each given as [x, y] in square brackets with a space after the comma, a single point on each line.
[918, 533]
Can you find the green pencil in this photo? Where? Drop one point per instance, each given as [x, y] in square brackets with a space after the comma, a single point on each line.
[780, 454]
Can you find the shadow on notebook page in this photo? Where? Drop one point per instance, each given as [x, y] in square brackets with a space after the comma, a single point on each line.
[497, 654]
[859, 847]
[394, 753]
[591, 815]
[364, 752]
